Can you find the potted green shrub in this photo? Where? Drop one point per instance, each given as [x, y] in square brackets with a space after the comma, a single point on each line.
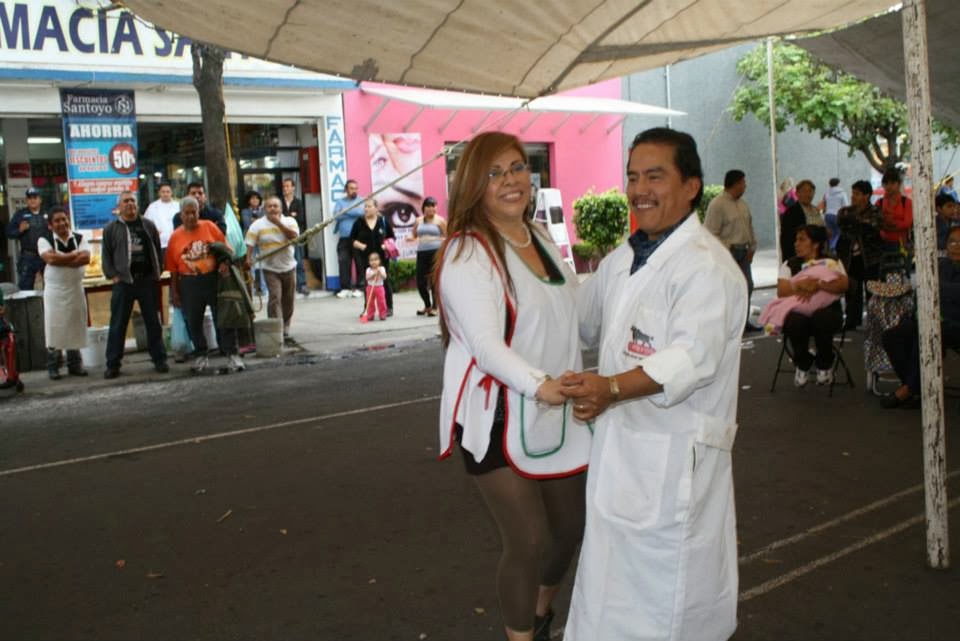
[601, 222]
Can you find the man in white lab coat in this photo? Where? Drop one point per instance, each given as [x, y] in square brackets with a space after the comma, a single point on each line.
[667, 308]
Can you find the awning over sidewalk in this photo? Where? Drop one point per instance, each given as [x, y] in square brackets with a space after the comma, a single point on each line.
[873, 51]
[492, 46]
[470, 101]
[458, 101]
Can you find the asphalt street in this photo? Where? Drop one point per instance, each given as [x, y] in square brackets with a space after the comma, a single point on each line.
[305, 501]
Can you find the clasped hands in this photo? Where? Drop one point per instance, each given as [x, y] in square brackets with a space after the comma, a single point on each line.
[807, 287]
[590, 393]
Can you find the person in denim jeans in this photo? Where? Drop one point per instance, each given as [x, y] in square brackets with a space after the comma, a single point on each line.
[130, 257]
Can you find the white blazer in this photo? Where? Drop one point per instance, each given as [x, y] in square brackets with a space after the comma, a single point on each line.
[659, 557]
[539, 442]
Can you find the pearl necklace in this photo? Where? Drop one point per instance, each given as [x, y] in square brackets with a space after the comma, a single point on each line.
[515, 244]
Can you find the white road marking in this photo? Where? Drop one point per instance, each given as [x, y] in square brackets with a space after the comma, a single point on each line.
[210, 437]
[747, 595]
[783, 579]
[817, 529]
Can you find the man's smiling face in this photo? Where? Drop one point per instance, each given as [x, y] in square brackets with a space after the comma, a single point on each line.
[659, 196]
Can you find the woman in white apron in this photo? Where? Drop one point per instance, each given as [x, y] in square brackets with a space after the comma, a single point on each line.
[509, 324]
[66, 255]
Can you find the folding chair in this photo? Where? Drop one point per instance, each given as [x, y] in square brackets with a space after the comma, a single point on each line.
[838, 361]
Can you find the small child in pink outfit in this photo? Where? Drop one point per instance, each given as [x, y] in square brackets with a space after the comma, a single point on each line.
[376, 294]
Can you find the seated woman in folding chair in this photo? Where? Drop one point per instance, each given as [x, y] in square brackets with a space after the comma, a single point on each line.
[827, 276]
[902, 342]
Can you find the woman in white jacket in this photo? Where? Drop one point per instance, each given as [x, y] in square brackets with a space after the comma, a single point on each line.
[509, 327]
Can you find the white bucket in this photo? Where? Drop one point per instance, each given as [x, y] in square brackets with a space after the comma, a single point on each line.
[268, 335]
[95, 353]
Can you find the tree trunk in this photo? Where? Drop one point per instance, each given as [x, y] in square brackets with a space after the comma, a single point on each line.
[208, 80]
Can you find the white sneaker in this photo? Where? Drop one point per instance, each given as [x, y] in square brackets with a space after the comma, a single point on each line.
[343, 293]
[235, 363]
[800, 377]
[357, 293]
[199, 365]
[824, 376]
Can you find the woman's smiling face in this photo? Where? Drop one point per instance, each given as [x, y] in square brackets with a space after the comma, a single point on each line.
[506, 197]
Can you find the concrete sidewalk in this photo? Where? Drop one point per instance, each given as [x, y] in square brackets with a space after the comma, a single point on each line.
[323, 327]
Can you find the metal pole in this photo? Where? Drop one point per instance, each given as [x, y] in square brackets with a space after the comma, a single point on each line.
[773, 148]
[914, 16]
[669, 91]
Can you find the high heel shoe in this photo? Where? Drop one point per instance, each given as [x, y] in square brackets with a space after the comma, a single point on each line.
[541, 626]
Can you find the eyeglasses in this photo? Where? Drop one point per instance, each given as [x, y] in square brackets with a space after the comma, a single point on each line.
[129, 200]
[496, 174]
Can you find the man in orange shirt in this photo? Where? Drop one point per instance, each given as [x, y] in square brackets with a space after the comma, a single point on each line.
[193, 282]
[897, 210]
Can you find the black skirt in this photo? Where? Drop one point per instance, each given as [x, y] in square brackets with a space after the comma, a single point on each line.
[494, 458]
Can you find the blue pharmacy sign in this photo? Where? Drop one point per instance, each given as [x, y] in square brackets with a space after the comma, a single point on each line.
[100, 140]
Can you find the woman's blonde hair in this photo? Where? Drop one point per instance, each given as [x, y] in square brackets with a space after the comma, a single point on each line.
[465, 211]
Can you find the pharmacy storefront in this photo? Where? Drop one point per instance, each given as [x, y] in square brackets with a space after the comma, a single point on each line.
[281, 122]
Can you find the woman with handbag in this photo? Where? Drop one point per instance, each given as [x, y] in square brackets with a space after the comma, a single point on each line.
[372, 232]
[509, 327]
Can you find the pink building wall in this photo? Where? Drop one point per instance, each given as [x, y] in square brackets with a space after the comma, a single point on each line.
[578, 160]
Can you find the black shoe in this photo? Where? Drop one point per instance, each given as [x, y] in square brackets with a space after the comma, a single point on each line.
[111, 372]
[890, 402]
[541, 626]
[912, 403]
[161, 367]
[389, 312]
[54, 375]
[77, 371]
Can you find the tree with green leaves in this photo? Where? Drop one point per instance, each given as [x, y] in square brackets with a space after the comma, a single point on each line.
[832, 103]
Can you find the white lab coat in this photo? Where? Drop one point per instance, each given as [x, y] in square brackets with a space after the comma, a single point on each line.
[64, 303]
[540, 442]
[659, 557]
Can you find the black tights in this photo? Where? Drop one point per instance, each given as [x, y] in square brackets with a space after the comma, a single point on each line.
[541, 524]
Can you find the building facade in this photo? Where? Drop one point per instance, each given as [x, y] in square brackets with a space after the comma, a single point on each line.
[277, 117]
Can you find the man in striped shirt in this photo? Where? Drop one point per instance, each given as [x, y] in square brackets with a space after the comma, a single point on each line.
[267, 234]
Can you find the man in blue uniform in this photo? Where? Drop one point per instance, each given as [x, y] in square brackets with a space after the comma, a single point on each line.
[27, 226]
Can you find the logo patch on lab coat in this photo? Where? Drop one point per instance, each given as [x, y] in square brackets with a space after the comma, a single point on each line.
[640, 344]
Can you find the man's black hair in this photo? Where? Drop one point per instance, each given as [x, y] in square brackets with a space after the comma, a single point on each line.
[864, 187]
[942, 199]
[685, 156]
[732, 177]
[891, 175]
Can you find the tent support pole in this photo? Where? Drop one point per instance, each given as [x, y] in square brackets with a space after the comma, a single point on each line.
[773, 148]
[914, 16]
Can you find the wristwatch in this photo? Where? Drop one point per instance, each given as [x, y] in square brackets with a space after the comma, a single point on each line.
[614, 388]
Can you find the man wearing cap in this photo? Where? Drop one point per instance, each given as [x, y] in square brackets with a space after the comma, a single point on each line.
[28, 225]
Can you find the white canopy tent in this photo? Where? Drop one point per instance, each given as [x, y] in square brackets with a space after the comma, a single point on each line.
[524, 49]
